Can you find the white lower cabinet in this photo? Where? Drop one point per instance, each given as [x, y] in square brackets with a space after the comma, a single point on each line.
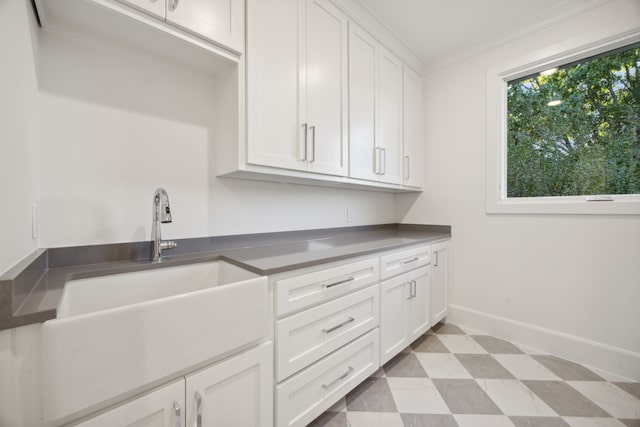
[163, 407]
[333, 328]
[312, 334]
[404, 311]
[236, 392]
[309, 393]
[440, 281]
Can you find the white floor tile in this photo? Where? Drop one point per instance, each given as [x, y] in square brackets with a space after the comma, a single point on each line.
[374, 419]
[483, 421]
[593, 422]
[514, 398]
[524, 367]
[417, 396]
[442, 365]
[461, 344]
[612, 399]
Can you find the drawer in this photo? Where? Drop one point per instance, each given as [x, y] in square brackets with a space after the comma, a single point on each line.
[399, 262]
[306, 395]
[302, 291]
[312, 334]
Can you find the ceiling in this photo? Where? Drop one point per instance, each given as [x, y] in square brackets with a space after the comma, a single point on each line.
[434, 29]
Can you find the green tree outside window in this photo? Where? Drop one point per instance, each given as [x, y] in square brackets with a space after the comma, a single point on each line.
[576, 131]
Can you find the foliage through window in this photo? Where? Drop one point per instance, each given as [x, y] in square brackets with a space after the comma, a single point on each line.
[576, 130]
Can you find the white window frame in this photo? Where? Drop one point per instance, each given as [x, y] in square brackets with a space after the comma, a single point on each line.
[496, 142]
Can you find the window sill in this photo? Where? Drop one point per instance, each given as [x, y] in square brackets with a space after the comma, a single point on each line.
[570, 205]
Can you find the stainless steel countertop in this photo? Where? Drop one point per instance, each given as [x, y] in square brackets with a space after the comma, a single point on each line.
[31, 291]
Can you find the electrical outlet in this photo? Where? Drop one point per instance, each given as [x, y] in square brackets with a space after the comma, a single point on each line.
[349, 215]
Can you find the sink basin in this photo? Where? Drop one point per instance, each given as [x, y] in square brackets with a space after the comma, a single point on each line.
[116, 334]
[102, 293]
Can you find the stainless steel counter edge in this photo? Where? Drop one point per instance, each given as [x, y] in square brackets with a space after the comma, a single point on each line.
[31, 290]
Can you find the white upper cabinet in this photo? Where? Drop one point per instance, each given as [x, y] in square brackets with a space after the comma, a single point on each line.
[413, 139]
[273, 55]
[296, 86]
[390, 118]
[363, 81]
[326, 88]
[375, 110]
[220, 21]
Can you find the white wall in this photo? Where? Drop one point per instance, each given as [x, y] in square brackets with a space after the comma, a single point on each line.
[555, 275]
[114, 127]
[18, 145]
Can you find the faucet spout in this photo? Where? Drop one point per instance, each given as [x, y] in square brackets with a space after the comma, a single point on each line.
[161, 215]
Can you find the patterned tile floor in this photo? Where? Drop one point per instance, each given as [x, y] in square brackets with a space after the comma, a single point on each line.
[449, 378]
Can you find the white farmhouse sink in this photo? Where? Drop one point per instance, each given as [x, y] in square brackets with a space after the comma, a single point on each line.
[116, 334]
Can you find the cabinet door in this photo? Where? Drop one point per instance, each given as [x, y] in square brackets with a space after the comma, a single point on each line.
[418, 307]
[440, 282]
[161, 408]
[237, 392]
[363, 52]
[326, 88]
[221, 21]
[413, 154]
[275, 85]
[394, 297]
[152, 7]
[390, 118]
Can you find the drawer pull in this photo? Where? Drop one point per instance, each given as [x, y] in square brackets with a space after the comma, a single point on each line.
[346, 322]
[341, 377]
[411, 260]
[341, 282]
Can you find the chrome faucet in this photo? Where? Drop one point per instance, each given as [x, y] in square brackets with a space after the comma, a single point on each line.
[161, 215]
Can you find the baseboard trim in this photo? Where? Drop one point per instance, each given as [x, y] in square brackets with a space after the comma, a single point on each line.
[604, 357]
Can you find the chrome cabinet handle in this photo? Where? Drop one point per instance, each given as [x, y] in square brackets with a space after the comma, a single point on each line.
[177, 413]
[198, 410]
[313, 144]
[413, 290]
[333, 328]
[377, 160]
[384, 161]
[341, 282]
[436, 263]
[303, 148]
[341, 377]
[410, 261]
[406, 164]
[173, 4]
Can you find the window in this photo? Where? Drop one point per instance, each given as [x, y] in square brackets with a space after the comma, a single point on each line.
[563, 130]
[575, 130]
